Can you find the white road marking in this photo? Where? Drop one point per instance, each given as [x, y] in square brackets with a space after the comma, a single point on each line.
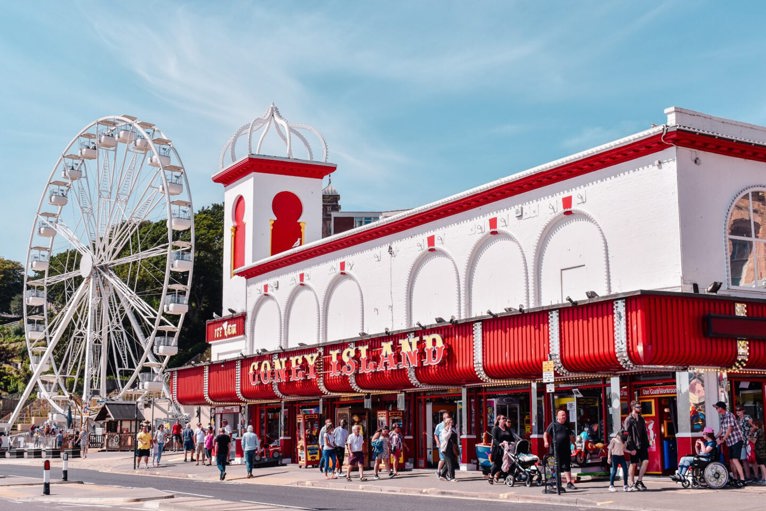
[275, 505]
[192, 494]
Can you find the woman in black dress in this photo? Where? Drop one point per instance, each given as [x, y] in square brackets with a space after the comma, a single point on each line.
[500, 433]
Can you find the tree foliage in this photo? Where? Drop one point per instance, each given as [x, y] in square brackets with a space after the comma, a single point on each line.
[207, 282]
[11, 282]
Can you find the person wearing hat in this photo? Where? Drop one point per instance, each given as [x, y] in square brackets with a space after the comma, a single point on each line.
[731, 434]
[705, 448]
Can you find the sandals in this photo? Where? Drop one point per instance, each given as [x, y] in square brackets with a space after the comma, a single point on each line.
[348, 478]
[363, 479]
[491, 480]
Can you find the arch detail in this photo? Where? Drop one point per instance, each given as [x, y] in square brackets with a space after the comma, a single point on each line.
[438, 292]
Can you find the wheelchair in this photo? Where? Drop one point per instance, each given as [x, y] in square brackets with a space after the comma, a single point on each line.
[705, 473]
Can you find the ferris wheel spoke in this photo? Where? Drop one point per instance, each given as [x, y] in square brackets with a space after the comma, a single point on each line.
[133, 222]
[132, 301]
[146, 254]
[70, 236]
[56, 279]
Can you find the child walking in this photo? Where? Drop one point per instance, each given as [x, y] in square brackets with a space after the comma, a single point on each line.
[616, 456]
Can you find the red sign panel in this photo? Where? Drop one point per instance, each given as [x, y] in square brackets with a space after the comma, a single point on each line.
[225, 328]
[658, 390]
[735, 327]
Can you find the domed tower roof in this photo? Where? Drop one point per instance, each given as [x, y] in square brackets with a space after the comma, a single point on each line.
[255, 133]
[329, 190]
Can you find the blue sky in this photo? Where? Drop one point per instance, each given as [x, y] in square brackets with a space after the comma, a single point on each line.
[417, 100]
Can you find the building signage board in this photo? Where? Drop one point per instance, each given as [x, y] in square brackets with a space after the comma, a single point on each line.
[548, 375]
[222, 329]
[658, 390]
[426, 350]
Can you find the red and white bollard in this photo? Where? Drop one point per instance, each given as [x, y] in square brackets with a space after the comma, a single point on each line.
[46, 477]
[65, 467]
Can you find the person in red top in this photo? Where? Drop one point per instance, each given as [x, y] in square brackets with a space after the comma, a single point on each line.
[176, 430]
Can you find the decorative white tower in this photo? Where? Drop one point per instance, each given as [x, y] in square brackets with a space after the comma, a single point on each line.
[271, 203]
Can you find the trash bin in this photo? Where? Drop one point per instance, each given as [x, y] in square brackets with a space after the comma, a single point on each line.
[670, 454]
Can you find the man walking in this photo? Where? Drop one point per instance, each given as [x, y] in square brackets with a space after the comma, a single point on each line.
[731, 434]
[355, 443]
[250, 447]
[437, 441]
[341, 435]
[638, 441]
[222, 442]
[560, 434]
[199, 439]
[188, 437]
[144, 445]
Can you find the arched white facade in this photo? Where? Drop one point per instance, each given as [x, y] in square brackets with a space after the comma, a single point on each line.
[609, 220]
[572, 258]
[343, 309]
[497, 276]
[434, 289]
[301, 317]
[266, 331]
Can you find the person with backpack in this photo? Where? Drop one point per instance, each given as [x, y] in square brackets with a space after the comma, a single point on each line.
[381, 451]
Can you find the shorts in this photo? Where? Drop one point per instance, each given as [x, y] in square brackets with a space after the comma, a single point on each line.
[140, 453]
[565, 459]
[441, 455]
[743, 454]
[356, 458]
[735, 451]
[642, 454]
[188, 446]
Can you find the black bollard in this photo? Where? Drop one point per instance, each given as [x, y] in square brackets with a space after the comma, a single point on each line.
[64, 468]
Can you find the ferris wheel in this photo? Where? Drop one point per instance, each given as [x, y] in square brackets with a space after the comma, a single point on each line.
[109, 266]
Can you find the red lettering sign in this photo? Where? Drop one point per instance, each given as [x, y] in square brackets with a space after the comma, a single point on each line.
[225, 328]
[429, 350]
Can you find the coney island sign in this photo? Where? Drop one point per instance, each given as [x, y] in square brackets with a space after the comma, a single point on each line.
[411, 352]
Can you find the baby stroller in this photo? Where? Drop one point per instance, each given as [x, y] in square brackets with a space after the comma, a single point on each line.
[520, 465]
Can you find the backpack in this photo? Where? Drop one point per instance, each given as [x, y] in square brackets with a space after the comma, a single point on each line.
[377, 447]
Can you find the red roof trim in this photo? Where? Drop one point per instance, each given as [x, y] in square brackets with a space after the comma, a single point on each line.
[271, 165]
[481, 198]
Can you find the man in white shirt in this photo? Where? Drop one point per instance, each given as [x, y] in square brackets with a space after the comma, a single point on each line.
[199, 443]
[341, 435]
[355, 443]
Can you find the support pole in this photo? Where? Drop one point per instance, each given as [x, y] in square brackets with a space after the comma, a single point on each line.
[65, 467]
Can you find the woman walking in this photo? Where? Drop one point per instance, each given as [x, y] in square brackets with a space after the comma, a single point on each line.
[328, 453]
[500, 433]
[448, 447]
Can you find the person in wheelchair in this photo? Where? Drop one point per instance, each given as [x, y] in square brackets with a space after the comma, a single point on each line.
[706, 449]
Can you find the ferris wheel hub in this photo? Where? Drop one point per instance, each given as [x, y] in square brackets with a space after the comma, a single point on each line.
[86, 265]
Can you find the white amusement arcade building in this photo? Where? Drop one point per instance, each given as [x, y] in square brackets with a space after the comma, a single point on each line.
[638, 267]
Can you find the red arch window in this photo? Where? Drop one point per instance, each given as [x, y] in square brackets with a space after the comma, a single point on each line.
[238, 234]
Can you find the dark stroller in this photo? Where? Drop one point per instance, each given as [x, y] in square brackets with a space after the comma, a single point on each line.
[520, 465]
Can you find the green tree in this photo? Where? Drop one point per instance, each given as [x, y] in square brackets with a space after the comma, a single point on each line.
[11, 282]
[207, 282]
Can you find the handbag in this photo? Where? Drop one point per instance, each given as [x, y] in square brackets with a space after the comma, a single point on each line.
[750, 452]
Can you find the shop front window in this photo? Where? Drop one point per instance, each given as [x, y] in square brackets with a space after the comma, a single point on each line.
[747, 241]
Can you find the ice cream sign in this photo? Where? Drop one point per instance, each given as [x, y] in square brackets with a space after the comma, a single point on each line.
[225, 328]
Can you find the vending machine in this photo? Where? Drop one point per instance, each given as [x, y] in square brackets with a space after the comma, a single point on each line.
[392, 418]
[308, 426]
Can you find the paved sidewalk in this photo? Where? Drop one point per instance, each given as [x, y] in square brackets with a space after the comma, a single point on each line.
[663, 494]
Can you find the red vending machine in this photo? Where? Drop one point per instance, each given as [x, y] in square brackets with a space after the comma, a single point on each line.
[308, 428]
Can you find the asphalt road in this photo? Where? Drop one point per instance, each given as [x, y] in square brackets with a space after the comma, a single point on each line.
[305, 498]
